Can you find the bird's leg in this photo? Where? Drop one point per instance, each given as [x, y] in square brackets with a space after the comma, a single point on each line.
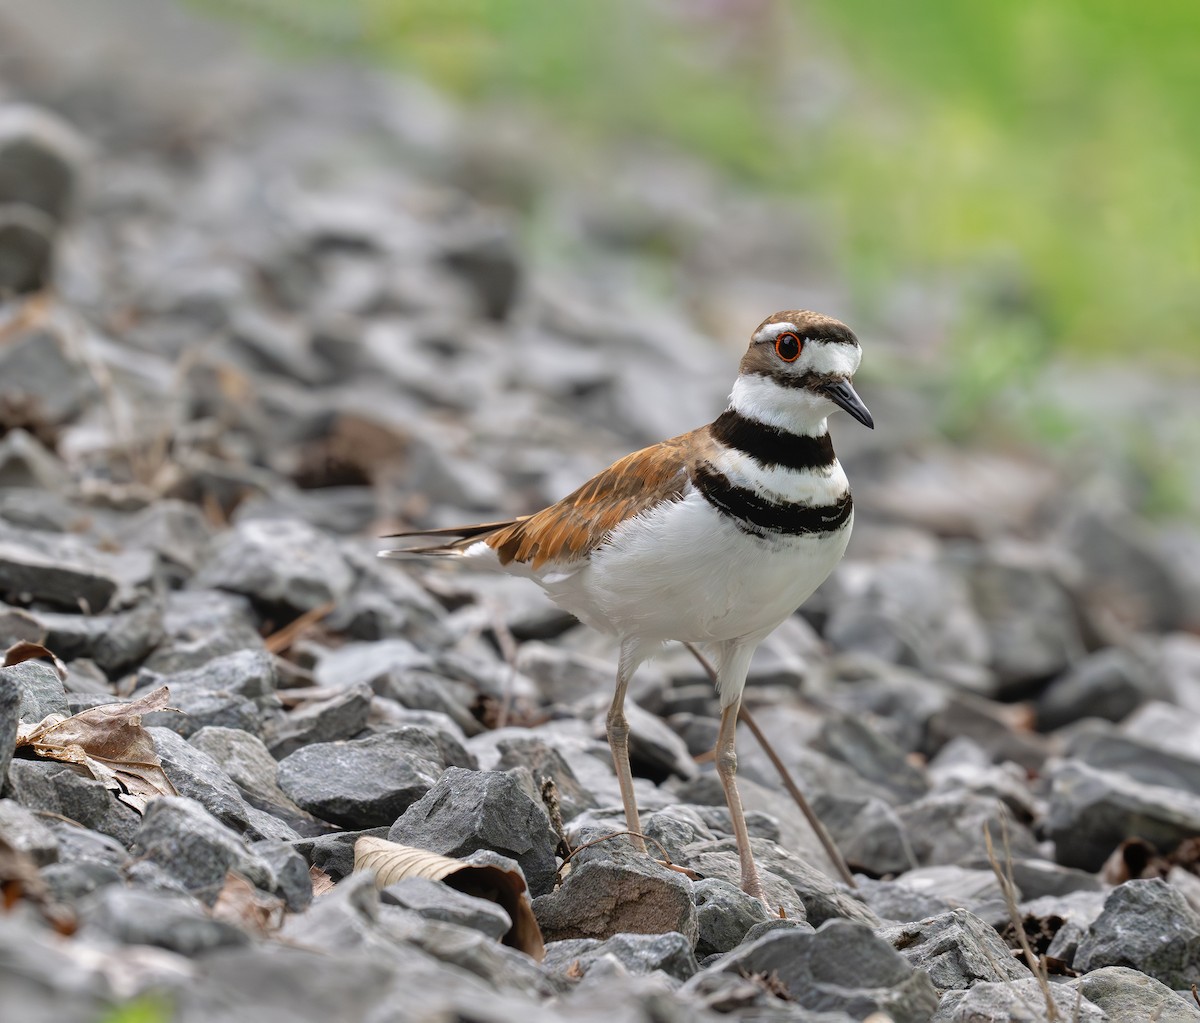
[618, 741]
[727, 771]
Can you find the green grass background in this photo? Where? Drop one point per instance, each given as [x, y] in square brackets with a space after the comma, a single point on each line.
[1043, 154]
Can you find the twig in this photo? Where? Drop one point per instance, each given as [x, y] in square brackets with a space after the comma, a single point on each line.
[1008, 888]
[508, 649]
[549, 793]
[280, 640]
[789, 783]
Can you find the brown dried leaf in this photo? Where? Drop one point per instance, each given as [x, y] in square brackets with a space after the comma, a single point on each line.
[241, 904]
[26, 651]
[20, 880]
[321, 882]
[111, 743]
[390, 862]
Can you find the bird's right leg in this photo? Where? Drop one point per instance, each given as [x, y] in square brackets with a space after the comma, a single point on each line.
[618, 741]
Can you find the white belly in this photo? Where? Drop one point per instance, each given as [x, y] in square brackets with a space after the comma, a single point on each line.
[687, 572]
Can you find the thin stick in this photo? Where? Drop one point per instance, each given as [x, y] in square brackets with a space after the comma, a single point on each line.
[1007, 889]
[819, 829]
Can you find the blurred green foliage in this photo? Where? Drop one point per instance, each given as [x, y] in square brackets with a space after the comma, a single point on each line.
[143, 1009]
[1042, 156]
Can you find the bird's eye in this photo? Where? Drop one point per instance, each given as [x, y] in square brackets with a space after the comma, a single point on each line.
[788, 346]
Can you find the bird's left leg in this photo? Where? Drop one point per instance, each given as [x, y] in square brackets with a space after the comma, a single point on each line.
[617, 728]
[731, 679]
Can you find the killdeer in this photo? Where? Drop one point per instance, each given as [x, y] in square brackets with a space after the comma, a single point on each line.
[713, 537]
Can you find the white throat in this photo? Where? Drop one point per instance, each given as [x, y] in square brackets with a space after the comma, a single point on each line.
[793, 409]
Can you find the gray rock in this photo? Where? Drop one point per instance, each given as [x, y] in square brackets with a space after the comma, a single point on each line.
[436, 901]
[27, 464]
[1037, 878]
[1014, 1001]
[470, 810]
[820, 898]
[545, 762]
[290, 870]
[1109, 684]
[842, 966]
[956, 949]
[60, 571]
[181, 837]
[972, 889]
[1092, 812]
[1127, 583]
[246, 673]
[198, 776]
[724, 913]
[485, 256]
[639, 954]
[1148, 926]
[910, 612]
[873, 755]
[947, 827]
[363, 783]
[1028, 614]
[895, 900]
[23, 830]
[1140, 759]
[1166, 726]
[201, 627]
[612, 889]
[42, 691]
[341, 716]
[1071, 914]
[565, 676]
[136, 917]
[114, 642]
[11, 697]
[277, 563]
[70, 882]
[41, 159]
[373, 664]
[63, 789]
[1127, 996]
[176, 531]
[334, 853]
[868, 833]
[26, 248]
[250, 767]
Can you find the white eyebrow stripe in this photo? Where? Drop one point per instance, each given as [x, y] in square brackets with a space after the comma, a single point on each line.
[772, 330]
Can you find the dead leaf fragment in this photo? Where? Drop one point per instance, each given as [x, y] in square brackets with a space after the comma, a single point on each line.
[241, 904]
[321, 882]
[111, 743]
[26, 651]
[20, 880]
[390, 862]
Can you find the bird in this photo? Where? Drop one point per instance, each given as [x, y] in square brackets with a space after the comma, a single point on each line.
[713, 537]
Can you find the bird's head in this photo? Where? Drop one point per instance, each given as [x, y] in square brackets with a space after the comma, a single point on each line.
[797, 370]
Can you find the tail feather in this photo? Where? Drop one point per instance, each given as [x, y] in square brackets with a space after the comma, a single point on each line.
[461, 537]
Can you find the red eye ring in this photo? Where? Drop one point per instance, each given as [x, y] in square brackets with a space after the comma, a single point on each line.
[788, 346]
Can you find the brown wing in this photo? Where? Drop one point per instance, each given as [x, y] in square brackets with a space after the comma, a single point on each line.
[581, 521]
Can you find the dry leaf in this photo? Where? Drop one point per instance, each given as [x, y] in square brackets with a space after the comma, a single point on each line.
[241, 904]
[391, 862]
[321, 882]
[20, 880]
[25, 651]
[110, 742]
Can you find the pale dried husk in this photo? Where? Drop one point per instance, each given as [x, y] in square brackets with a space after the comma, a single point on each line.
[390, 862]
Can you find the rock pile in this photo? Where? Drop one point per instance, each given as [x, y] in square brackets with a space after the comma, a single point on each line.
[283, 326]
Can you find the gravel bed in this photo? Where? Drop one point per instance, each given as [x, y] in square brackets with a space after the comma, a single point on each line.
[294, 307]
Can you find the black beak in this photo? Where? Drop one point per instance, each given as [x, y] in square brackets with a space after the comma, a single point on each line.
[843, 395]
